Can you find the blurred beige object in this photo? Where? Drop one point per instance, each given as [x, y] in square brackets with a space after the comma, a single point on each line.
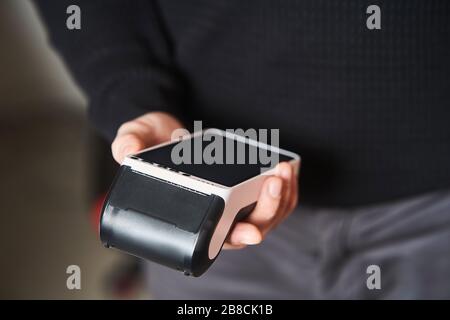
[33, 78]
[44, 215]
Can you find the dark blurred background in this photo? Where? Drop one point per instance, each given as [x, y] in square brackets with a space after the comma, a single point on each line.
[53, 170]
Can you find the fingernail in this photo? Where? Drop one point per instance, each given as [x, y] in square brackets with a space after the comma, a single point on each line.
[275, 188]
[286, 173]
[126, 150]
[248, 239]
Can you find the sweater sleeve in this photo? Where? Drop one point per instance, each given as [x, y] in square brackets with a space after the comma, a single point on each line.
[121, 58]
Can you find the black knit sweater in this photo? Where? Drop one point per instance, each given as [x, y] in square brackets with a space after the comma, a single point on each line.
[368, 110]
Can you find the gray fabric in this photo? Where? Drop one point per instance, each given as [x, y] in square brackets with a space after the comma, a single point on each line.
[324, 253]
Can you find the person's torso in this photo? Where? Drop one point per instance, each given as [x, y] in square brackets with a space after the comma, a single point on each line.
[368, 110]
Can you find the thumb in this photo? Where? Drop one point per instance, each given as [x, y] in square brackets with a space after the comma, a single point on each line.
[126, 144]
[143, 132]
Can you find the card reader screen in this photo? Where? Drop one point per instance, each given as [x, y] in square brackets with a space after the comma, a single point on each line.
[216, 158]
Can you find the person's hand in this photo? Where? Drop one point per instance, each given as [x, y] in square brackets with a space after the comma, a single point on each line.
[277, 200]
[143, 132]
[278, 195]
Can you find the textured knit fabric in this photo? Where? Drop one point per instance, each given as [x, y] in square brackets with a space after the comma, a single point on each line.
[368, 110]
